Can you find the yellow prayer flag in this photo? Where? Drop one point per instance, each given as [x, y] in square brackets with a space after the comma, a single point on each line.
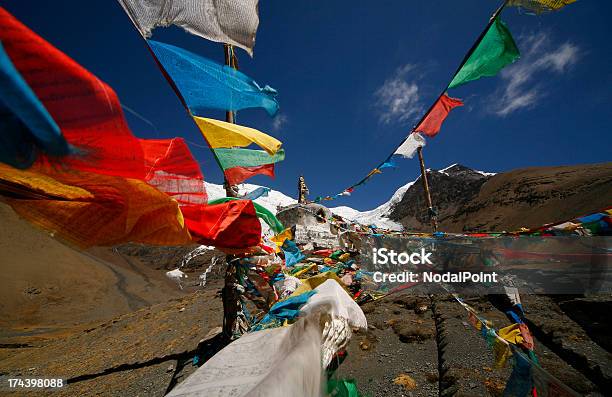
[539, 6]
[220, 134]
[501, 353]
[511, 333]
[280, 238]
[374, 171]
[88, 209]
[314, 281]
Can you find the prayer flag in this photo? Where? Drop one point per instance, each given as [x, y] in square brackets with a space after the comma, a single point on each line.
[229, 158]
[26, 125]
[540, 6]
[225, 21]
[293, 255]
[236, 175]
[410, 145]
[90, 209]
[496, 50]
[86, 109]
[241, 164]
[257, 193]
[280, 238]
[204, 84]
[431, 124]
[220, 134]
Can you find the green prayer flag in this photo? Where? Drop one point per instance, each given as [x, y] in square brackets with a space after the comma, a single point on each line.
[261, 211]
[342, 388]
[496, 50]
[230, 158]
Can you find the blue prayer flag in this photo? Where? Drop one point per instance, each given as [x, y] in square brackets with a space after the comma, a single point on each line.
[293, 254]
[25, 124]
[205, 84]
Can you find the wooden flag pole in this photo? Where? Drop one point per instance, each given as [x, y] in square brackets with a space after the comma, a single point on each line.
[234, 321]
[431, 212]
[230, 117]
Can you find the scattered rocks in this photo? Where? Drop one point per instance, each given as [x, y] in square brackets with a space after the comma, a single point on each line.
[406, 381]
[32, 291]
[412, 333]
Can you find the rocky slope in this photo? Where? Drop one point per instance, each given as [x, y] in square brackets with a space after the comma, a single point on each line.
[469, 200]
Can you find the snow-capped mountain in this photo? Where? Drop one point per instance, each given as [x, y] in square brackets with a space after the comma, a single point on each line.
[384, 216]
[379, 216]
[275, 199]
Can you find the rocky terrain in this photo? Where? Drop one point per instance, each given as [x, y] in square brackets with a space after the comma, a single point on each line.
[468, 200]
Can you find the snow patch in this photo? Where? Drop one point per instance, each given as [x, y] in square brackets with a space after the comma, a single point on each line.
[486, 173]
[379, 216]
[443, 170]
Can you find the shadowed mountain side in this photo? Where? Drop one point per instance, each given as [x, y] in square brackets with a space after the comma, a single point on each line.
[469, 200]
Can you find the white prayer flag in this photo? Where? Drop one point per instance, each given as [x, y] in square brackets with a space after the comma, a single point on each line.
[410, 145]
[226, 21]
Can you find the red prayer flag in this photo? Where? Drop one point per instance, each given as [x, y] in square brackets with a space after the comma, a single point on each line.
[86, 109]
[236, 175]
[228, 225]
[431, 124]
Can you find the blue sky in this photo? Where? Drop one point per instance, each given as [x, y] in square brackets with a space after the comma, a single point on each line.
[354, 76]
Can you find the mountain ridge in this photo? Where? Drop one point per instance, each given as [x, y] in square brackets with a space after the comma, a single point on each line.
[473, 200]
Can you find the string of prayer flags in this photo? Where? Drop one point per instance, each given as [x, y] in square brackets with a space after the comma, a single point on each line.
[27, 126]
[540, 6]
[410, 145]
[204, 84]
[224, 21]
[496, 50]
[113, 188]
[432, 123]
[526, 373]
[220, 134]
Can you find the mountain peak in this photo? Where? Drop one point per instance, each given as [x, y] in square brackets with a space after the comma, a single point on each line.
[383, 215]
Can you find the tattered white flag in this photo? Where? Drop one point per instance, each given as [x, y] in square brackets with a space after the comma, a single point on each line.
[410, 145]
[226, 21]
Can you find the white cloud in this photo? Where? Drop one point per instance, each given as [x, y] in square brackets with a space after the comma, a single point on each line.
[279, 122]
[398, 99]
[539, 58]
